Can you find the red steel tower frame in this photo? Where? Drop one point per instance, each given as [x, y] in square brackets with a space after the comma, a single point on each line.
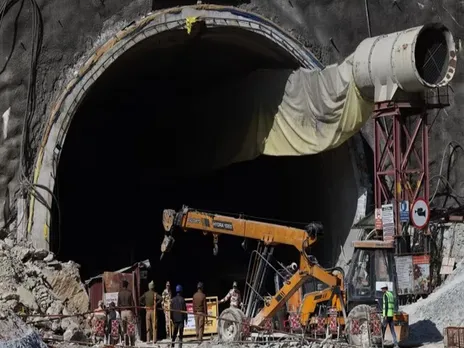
[401, 170]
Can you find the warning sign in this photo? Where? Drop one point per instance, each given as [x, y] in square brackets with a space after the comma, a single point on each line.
[378, 218]
[111, 297]
[388, 222]
[210, 322]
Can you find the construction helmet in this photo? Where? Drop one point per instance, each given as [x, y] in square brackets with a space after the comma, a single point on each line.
[151, 285]
[178, 288]
[234, 284]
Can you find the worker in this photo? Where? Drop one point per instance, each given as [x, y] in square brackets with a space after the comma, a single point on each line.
[149, 299]
[233, 296]
[388, 304]
[98, 322]
[126, 301]
[167, 296]
[200, 310]
[179, 316]
[113, 315]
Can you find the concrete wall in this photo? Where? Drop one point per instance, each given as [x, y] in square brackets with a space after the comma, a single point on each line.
[330, 28]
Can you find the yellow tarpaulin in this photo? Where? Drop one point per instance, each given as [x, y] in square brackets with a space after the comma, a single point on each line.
[275, 112]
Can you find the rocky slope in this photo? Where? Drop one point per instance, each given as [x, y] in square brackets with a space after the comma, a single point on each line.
[36, 286]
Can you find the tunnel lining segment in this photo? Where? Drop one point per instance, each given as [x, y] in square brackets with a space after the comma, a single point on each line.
[57, 124]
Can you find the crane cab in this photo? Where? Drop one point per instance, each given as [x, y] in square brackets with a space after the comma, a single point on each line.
[372, 266]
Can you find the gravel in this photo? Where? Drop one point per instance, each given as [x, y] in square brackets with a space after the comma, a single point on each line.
[444, 307]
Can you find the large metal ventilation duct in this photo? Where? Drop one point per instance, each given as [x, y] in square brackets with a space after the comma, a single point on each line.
[411, 60]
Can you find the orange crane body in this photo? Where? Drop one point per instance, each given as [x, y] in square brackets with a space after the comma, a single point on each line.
[269, 234]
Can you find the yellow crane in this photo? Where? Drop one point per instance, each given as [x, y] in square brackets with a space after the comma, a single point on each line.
[335, 295]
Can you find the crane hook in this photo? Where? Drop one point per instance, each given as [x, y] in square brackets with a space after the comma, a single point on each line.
[215, 244]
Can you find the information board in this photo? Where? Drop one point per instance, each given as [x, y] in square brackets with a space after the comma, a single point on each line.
[210, 322]
[421, 271]
[404, 271]
[388, 222]
[111, 297]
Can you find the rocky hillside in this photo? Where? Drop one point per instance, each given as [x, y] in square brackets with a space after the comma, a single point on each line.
[34, 284]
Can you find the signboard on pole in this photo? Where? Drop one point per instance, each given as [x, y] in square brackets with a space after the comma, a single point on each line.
[403, 208]
[210, 322]
[388, 222]
[378, 218]
[404, 272]
[421, 272]
[420, 213]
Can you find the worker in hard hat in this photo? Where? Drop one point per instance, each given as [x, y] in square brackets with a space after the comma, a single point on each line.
[388, 304]
[150, 299]
[233, 296]
[178, 315]
[200, 310]
[167, 296]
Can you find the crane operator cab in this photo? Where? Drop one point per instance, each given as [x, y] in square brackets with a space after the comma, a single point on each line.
[373, 267]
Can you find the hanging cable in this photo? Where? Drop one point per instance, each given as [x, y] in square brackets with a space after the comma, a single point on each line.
[368, 17]
[440, 176]
[26, 150]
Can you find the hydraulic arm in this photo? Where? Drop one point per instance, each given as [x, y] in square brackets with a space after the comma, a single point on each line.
[270, 234]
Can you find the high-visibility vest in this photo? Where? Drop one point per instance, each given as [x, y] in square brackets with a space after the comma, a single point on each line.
[390, 300]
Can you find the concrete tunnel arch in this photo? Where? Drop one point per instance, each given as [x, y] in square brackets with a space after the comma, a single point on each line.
[60, 118]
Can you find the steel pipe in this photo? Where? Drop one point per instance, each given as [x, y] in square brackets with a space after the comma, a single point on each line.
[413, 60]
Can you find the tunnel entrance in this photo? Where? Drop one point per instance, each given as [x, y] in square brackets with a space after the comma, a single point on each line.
[145, 139]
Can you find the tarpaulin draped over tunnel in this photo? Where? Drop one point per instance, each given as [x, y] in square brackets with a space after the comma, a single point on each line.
[284, 113]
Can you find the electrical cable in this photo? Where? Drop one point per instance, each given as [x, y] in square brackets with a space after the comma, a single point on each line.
[26, 186]
[447, 183]
[6, 6]
[440, 172]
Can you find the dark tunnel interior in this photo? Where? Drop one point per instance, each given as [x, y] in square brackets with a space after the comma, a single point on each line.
[124, 157]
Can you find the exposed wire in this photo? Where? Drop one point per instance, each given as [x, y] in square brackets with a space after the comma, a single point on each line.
[6, 6]
[440, 172]
[368, 17]
[26, 153]
[452, 17]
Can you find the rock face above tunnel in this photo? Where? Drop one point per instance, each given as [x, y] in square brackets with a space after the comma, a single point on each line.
[331, 29]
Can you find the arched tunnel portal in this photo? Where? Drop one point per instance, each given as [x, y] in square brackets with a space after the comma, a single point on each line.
[151, 129]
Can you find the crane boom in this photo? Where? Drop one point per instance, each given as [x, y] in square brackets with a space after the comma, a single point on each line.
[268, 233]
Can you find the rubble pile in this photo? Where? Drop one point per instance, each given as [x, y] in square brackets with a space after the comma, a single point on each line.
[444, 307]
[14, 333]
[35, 285]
